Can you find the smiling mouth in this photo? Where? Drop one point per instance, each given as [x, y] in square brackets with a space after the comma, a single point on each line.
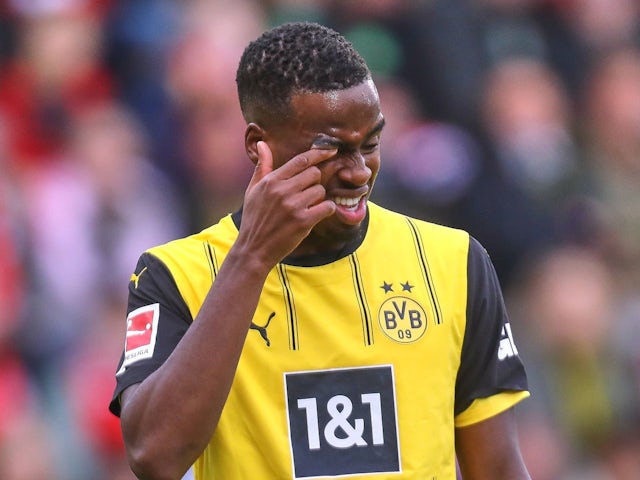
[348, 202]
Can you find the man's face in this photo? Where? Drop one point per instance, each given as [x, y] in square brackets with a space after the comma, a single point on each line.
[349, 120]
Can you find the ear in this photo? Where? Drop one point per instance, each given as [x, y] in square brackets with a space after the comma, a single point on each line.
[252, 135]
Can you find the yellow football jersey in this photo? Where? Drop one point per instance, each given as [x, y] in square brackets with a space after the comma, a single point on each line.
[359, 367]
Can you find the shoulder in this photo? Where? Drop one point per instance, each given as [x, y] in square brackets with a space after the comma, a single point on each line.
[436, 235]
[203, 244]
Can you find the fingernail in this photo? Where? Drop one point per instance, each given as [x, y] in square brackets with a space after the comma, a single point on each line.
[323, 144]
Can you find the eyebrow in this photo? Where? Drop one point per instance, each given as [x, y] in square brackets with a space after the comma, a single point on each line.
[377, 127]
[334, 142]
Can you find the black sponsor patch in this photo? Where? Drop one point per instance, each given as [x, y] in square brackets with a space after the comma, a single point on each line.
[342, 421]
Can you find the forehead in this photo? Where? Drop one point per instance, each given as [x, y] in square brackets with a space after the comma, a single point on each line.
[353, 108]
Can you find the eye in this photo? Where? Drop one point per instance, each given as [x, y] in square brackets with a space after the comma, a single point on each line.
[371, 146]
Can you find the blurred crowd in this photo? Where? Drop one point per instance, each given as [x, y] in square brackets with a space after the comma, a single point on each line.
[517, 120]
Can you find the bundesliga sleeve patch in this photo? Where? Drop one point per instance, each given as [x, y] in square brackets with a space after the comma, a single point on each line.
[142, 329]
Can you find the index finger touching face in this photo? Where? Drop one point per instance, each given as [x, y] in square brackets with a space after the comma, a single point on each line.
[307, 159]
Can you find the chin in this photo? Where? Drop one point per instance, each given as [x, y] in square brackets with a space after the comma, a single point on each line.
[331, 232]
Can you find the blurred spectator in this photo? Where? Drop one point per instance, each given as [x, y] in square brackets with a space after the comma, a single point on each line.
[201, 79]
[26, 449]
[602, 25]
[449, 45]
[581, 32]
[55, 73]
[85, 215]
[531, 173]
[527, 116]
[89, 214]
[89, 383]
[428, 166]
[567, 308]
[11, 268]
[545, 449]
[134, 210]
[612, 144]
[14, 381]
[281, 11]
[138, 39]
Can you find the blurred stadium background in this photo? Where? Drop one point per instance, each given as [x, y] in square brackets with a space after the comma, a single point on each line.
[518, 120]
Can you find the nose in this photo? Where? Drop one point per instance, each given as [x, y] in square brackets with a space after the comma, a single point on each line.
[354, 170]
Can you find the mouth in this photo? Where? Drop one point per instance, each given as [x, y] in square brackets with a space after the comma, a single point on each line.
[351, 210]
[349, 203]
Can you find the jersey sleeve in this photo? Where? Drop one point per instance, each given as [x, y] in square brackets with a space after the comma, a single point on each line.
[491, 377]
[157, 319]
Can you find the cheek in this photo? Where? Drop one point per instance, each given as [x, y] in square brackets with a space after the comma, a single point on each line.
[373, 162]
[328, 170]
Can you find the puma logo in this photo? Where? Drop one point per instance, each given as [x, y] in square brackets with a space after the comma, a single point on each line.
[136, 278]
[263, 330]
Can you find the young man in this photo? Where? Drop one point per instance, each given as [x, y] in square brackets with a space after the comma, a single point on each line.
[313, 334]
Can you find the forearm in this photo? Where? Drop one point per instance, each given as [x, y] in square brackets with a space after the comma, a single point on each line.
[170, 417]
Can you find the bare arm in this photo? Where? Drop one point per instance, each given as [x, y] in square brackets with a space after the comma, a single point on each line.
[489, 450]
[169, 418]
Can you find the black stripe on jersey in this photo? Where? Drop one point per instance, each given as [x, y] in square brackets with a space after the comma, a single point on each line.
[367, 329]
[426, 273]
[292, 317]
[211, 258]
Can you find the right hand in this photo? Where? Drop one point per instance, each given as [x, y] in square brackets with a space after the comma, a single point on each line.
[281, 206]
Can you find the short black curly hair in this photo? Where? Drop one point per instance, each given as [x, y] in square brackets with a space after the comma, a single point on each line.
[296, 57]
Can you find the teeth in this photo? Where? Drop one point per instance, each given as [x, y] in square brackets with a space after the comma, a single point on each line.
[347, 202]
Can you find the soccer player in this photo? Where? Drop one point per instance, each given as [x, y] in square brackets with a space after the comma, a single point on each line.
[312, 333]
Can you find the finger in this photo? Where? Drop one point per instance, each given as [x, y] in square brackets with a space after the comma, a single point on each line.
[317, 155]
[264, 165]
[310, 196]
[305, 160]
[320, 211]
[306, 178]
[312, 204]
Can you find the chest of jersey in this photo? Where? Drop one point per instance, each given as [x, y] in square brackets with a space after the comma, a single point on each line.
[348, 369]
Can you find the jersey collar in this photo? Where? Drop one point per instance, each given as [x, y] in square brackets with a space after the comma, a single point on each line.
[317, 259]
